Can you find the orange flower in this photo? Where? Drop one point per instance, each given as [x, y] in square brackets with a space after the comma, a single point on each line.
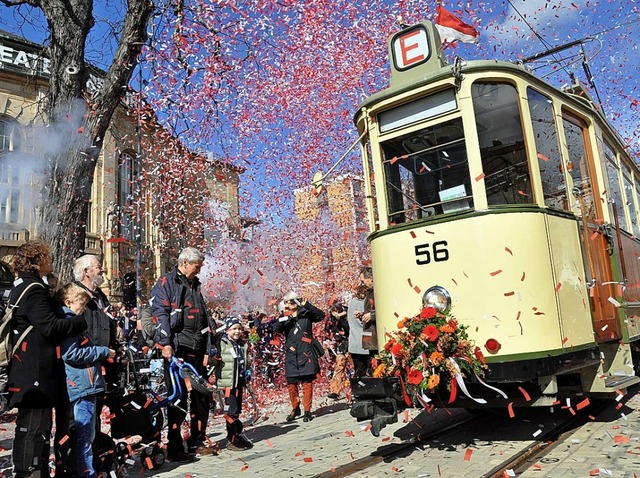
[436, 357]
[447, 329]
[396, 349]
[428, 313]
[434, 380]
[379, 371]
[431, 331]
[389, 344]
[401, 323]
[414, 377]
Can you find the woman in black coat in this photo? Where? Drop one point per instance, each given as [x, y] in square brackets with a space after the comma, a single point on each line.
[300, 362]
[35, 375]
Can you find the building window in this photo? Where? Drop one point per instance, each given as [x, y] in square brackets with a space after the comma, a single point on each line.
[10, 175]
[127, 175]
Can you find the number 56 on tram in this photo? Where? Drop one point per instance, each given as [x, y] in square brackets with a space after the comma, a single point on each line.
[515, 203]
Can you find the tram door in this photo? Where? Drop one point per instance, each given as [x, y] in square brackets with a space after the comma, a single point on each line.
[596, 245]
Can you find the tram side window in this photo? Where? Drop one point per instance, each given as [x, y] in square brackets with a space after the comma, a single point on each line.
[504, 160]
[548, 150]
[614, 193]
[628, 190]
[427, 173]
[578, 167]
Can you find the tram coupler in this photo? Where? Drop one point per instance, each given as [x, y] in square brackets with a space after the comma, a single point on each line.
[376, 399]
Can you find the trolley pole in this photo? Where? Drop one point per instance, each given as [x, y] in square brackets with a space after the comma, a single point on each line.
[138, 188]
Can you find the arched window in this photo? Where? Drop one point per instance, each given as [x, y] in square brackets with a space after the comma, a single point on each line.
[10, 174]
[128, 171]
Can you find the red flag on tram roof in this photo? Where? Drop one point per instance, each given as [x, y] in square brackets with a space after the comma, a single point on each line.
[451, 28]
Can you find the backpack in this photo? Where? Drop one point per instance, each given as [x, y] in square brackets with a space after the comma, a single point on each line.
[8, 344]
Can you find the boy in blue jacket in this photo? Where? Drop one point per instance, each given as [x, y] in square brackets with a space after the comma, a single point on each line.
[84, 379]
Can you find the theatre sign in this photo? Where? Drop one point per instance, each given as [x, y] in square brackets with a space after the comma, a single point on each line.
[26, 58]
[22, 57]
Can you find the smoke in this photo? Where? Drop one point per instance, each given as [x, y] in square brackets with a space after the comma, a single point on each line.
[25, 171]
[244, 276]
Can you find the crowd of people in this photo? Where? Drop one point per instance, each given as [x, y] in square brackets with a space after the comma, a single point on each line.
[72, 333]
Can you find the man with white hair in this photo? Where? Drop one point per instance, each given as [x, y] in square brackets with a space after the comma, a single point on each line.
[88, 274]
[183, 330]
[101, 328]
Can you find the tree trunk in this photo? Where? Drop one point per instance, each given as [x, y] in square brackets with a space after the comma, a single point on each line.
[80, 121]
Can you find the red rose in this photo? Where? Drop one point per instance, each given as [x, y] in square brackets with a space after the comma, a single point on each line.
[428, 313]
[396, 349]
[431, 331]
[453, 324]
[414, 377]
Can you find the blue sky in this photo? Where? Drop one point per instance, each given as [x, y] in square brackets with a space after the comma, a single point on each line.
[506, 33]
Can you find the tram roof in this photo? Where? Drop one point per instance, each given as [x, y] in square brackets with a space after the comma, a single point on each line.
[576, 95]
[468, 67]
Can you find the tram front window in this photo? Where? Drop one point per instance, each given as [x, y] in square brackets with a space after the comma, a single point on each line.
[427, 173]
[504, 160]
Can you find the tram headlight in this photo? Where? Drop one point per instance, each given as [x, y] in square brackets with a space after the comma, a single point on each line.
[437, 297]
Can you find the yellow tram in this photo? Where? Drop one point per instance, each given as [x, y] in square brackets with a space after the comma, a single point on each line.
[516, 203]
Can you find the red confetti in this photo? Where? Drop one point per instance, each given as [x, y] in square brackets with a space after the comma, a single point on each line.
[467, 454]
[584, 403]
[524, 393]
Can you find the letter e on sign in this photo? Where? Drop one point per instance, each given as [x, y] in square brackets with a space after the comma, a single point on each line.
[411, 48]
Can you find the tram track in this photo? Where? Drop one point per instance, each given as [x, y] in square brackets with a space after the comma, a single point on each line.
[465, 429]
[524, 459]
[395, 450]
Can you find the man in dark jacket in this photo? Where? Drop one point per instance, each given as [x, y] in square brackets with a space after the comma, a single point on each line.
[101, 329]
[183, 330]
[88, 274]
[301, 360]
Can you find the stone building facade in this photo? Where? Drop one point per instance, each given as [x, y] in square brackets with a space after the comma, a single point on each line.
[329, 267]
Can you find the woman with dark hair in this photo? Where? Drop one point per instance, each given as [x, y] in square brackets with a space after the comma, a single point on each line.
[36, 376]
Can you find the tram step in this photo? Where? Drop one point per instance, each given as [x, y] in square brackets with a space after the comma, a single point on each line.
[621, 381]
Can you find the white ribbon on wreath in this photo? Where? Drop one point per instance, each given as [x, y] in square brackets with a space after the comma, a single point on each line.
[463, 386]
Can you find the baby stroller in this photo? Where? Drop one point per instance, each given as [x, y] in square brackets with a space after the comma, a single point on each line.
[139, 410]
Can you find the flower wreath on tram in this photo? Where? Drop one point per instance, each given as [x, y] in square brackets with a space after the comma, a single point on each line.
[427, 350]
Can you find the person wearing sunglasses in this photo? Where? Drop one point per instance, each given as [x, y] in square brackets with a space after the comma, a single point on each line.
[301, 364]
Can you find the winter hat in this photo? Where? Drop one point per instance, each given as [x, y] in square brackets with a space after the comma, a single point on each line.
[230, 322]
